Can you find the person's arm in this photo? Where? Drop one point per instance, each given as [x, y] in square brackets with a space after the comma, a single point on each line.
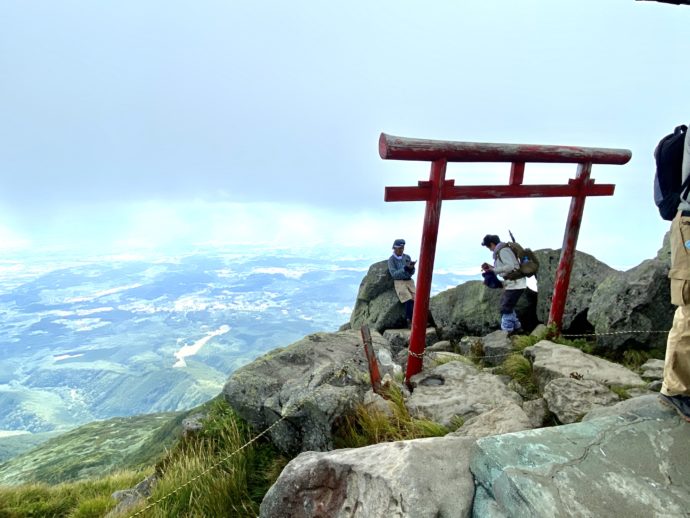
[397, 269]
[409, 265]
[507, 262]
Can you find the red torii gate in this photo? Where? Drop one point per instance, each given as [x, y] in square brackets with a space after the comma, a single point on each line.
[437, 189]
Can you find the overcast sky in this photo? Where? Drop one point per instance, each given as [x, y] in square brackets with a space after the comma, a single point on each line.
[134, 124]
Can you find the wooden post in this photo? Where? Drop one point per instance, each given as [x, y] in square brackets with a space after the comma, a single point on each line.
[374, 374]
[432, 216]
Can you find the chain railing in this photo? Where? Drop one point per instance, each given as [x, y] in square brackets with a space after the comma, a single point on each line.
[340, 371]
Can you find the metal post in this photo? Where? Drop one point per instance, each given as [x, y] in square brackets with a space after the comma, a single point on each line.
[572, 231]
[432, 216]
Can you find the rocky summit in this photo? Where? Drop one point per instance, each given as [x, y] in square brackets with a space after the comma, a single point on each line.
[575, 434]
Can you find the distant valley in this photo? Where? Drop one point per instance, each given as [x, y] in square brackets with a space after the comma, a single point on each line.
[88, 340]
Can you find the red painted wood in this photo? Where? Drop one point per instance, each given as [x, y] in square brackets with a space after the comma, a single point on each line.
[474, 192]
[432, 216]
[517, 173]
[572, 231]
[402, 148]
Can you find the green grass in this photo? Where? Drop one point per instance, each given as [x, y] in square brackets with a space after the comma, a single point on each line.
[234, 486]
[95, 449]
[83, 499]
[519, 368]
[621, 391]
[442, 360]
[633, 359]
[369, 425]
[521, 343]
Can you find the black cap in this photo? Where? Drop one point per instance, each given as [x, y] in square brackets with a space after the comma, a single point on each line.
[398, 243]
[490, 238]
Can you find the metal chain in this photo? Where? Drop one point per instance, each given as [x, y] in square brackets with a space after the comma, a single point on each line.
[611, 333]
[340, 371]
[564, 336]
[415, 355]
[292, 411]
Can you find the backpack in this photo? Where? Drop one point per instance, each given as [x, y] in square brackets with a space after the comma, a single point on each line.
[669, 188]
[529, 264]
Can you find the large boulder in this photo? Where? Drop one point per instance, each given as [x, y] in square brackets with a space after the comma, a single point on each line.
[377, 303]
[455, 392]
[631, 461]
[637, 300]
[422, 478]
[506, 418]
[473, 309]
[309, 384]
[586, 275]
[569, 399]
[551, 361]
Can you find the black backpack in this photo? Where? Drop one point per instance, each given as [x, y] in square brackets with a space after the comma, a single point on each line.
[669, 187]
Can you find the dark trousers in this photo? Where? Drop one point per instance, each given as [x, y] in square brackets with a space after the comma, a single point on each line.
[509, 299]
[409, 306]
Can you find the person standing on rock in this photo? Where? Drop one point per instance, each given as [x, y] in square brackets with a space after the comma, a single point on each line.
[401, 267]
[505, 262]
[675, 390]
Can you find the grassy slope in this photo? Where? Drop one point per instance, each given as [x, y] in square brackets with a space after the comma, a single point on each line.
[95, 449]
[13, 445]
[211, 473]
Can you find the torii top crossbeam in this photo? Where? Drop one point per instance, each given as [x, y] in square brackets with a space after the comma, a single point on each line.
[437, 189]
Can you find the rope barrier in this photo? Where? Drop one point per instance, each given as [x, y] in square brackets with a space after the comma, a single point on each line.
[194, 479]
[289, 412]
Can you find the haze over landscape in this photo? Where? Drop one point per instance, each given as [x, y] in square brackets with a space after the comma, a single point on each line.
[135, 126]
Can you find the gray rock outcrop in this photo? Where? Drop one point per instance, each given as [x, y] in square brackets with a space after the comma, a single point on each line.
[570, 399]
[312, 382]
[631, 462]
[473, 309]
[496, 348]
[399, 339]
[636, 300]
[653, 369]
[586, 275]
[423, 478]
[457, 391]
[551, 361]
[377, 303]
[505, 418]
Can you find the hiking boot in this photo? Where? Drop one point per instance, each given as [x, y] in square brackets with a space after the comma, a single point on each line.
[681, 404]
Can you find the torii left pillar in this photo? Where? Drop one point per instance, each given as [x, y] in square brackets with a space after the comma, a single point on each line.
[432, 217]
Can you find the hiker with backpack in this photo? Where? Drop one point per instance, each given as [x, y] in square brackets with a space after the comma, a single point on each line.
[507, 265]
[671, 194]
[402, 268]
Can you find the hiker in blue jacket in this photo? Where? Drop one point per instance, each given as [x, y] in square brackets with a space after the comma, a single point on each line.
[675, 390]
[402, 268]
[506, 262]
